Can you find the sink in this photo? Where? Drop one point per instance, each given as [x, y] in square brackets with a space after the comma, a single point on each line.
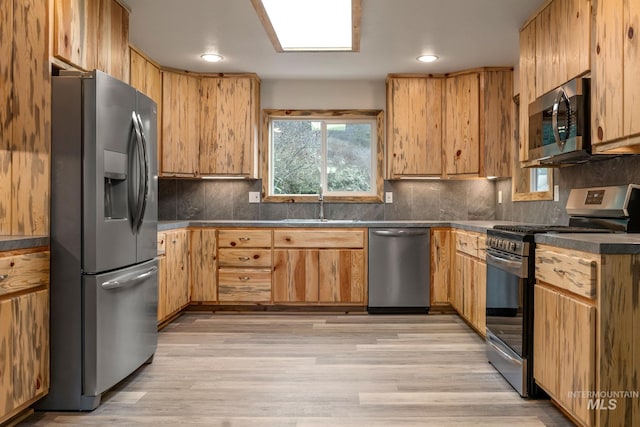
[314, 220]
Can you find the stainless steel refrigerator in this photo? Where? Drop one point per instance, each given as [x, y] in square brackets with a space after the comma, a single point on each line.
[104, 272]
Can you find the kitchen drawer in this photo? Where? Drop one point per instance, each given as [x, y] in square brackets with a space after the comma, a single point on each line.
[335, 238]
[21, 272]
[244, 285]
[230, 257]
[573, 271]
[162, 243]
[467, 243]
[242, 238]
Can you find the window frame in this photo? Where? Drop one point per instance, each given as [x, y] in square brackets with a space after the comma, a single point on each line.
[325, 115]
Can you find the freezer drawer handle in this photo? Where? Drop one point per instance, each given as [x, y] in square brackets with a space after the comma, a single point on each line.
[3, 277]
[129, 280]
[400, 233]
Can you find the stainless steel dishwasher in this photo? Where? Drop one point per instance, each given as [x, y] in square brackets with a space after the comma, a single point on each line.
[399, 280]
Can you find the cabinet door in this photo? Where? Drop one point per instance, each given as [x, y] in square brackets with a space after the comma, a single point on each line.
[468, 288]
[138, 71]
[527, 85]
[441, 264]
[177, 255]
[6, 102]
[480, 296]
[546, 339]
[31, 132]
[462, 125]
[30, 354]
[631, 34]
[415, 126]
[295, 275]
[209, 126]
[458, 282]
[576, 36]
[6, 351]
[163, 290]
[342, 276]
[113, 39]
[495, 114]
[204, 265]
[576, 355]
[76, 32]
[179, 123]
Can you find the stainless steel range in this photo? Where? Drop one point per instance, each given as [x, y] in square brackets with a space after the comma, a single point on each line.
[511, 274]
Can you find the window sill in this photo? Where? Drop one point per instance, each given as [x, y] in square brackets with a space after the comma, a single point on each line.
[327, 199]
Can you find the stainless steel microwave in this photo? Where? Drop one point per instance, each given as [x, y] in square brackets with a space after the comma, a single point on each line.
[559, 127]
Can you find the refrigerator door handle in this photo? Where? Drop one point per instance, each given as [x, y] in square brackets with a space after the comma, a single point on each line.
[139, 158]
[129, 279]
[147, 177]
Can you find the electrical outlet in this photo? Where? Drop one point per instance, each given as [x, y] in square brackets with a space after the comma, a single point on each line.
[254, 197]
[388, 197]
[556, 193]
[499, 197]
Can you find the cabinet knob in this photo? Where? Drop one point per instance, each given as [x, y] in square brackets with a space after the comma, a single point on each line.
[3, 277]
[244, 278]
[244, 239]
[244, 258]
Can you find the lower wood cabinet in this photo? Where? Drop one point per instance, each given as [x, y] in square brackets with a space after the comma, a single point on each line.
[173, 282]
[24, 331]
[469, 285]
[441, 263]
[320, 267]
[204, 265]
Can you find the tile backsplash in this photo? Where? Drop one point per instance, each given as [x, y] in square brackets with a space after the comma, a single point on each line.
[183, 199]
[617, 171]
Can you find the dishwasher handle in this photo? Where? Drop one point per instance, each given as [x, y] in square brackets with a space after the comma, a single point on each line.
[401, 232]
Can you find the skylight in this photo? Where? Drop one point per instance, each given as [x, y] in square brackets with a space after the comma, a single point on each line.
[311, 25]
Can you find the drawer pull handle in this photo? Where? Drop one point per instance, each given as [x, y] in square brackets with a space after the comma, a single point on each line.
[559, 271]
[3, 277]
[244, 258]
[244, 239]
[244, 278]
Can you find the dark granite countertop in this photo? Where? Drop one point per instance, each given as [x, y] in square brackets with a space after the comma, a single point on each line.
[12, 243]
[479, 226]
[606, 243]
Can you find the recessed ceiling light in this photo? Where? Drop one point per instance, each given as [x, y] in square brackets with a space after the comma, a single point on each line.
[211, 57]
[427, 58]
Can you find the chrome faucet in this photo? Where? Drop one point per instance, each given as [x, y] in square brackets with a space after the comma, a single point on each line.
[321, 201]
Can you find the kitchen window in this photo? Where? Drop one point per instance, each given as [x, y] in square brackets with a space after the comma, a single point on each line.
[336, 152]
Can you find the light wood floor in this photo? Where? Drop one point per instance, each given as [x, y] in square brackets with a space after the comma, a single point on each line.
[311, 370]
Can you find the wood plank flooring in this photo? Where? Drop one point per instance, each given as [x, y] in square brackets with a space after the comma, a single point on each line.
[312, 370]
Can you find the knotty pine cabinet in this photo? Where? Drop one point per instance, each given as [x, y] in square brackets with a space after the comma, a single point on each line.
[615, 108]
[325, 266]
[468, 295]
[147, 78]
[462, 121]
[204, 265]
[25, 118]
[441, 265]
[212, 126]
[24, 330]
[414, 126]
[244, 266]
[90, 34]
[173, 282]
[180, 124]
[585, 332]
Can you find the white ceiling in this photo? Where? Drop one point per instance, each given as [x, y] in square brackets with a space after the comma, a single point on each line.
[464, 33]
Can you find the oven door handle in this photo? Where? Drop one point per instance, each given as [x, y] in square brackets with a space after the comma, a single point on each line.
[519, 268]
[504, 354]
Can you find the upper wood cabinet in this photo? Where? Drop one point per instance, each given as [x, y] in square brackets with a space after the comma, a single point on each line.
[180, 124]
[462, 122]
[25, 118]
[212, 125]
[462, 125]
[414, 126]
[92, 34]
[615, 107]
[563, 34]
[229, 115]
[527, 85]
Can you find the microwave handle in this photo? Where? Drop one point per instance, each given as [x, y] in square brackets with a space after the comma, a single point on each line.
[561, 97]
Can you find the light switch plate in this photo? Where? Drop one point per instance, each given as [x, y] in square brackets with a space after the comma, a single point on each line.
[388, 197]
[254, 197]
[556, 193]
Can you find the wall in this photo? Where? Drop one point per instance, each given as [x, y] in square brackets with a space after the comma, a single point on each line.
[323, 94]
[616, 171]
